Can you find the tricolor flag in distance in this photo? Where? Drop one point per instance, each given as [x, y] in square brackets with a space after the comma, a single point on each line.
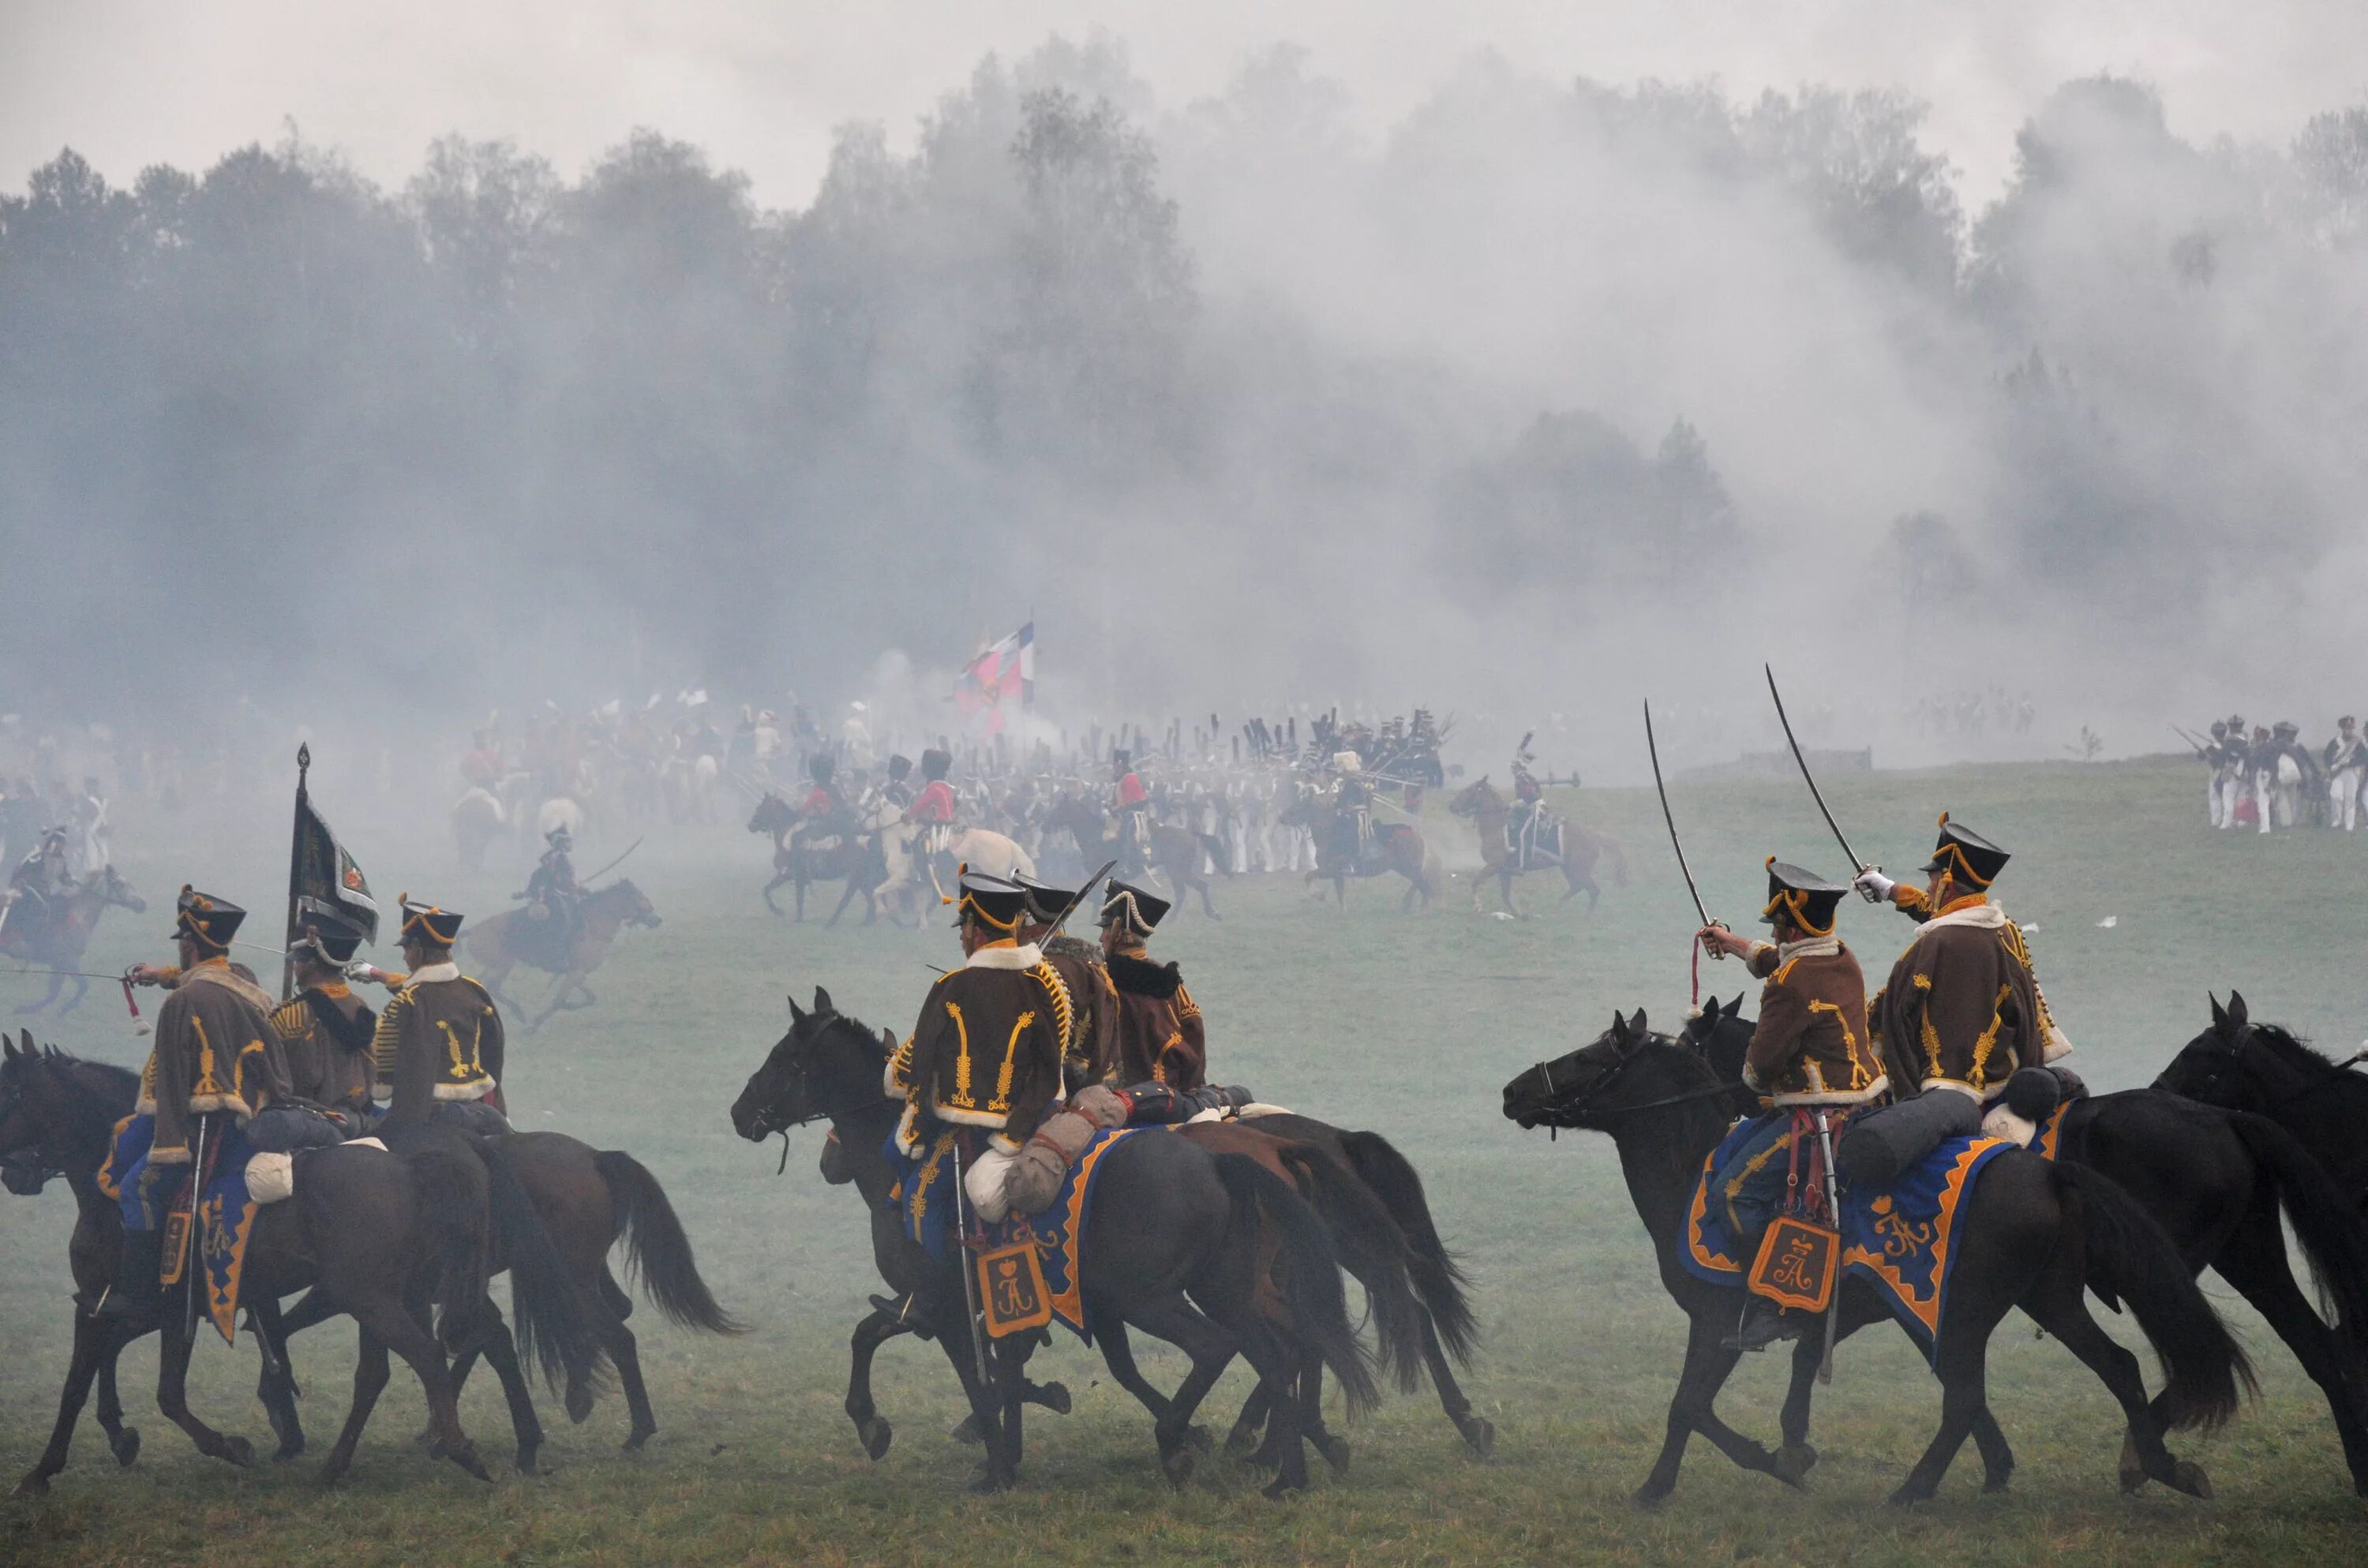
[1005, 670]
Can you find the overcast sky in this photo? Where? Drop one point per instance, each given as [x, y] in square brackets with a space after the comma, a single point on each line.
[760, 83]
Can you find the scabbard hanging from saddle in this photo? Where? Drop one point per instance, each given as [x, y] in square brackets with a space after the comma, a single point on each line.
[1800, 1255]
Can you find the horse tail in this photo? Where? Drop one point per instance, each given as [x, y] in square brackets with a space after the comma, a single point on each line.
[448, 1195]
[554, 1332]
[1371, 1247]
[2129, 1257]
[1316, 1306]
[2333, 1238]
[657, 1252]
[1438, 1279]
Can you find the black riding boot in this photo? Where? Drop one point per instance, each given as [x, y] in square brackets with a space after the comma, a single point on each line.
[137, 1296]
[1764, 1323]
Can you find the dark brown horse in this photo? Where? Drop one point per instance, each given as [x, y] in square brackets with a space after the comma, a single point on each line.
[1176, 853]
[2033, 1232]
[500, 944]
[364, 1229]
[1403, 852]
[855, 858]
[1581, 849]
[58, 943]
[2242, 1065]
[2215, 1181]
[1182, 1245]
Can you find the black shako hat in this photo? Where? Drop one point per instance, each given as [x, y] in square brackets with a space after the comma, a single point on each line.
[1044, 902]
[997, 904]
[1136, 912]
[208, 921]
[337, 936]
[425, 922]
[935, 764]
[1804, 898]
[1966, 856]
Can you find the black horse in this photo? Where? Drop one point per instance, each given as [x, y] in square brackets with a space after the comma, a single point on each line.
[1170, 1221]
[2034, 1234]
[2242, 1065]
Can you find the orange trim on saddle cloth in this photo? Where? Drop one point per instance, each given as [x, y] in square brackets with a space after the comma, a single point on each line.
[1069, 1301]
[1927, 1311]
[1702, 1256]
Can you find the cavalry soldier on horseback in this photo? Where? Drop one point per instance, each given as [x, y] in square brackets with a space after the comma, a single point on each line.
[824, 814]
[437, 1051]
[1354, 803]
[1962, 1012]
[895, 791]
[216, 1063]
[2346, 761]
[1526, 823]
[325, 1030]
[1131, 803]
[984, 1060]
[553, 895]
[933, 808]
[41, 882]
[1157, 1037]
[1809, 1052]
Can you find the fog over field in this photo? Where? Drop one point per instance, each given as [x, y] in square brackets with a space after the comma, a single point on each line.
[1508, 363]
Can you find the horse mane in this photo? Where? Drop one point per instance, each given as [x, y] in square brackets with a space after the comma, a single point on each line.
[102, 1077]
[2291, 1048]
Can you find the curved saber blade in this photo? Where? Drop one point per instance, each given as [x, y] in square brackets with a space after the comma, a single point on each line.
[1807, 777]
[1654, 751]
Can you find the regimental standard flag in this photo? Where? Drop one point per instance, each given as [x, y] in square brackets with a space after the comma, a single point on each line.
[325, 873]
[1003, 671]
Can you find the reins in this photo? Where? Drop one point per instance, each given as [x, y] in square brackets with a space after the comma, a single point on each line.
[1692, 1096]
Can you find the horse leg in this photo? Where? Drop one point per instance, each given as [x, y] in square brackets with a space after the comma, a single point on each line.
[612, 1307]
[1247, 1426]
[775, 908]
[501, 1353]
[1211, 1349]
[369, 1380]
[1280, 1363]
[82, 989]
[1206, 907]
[871, 1428]
[2058, 1303]
[57, 983]
[1707, 1366]
[1962, 1365]
[397, 1330]
[275, 1384]
[1477, 1431]
[124, 1440]
[95, 1346]
[847, 897]
[2254, 1260]
[1118, 1354]
[173, 1389]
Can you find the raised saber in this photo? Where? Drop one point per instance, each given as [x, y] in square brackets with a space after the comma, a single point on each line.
[1079, 897]
[1653, 750]
[617, 862]
[1808, 779]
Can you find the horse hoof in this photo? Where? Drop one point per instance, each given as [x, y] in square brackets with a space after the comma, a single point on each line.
[238, 1451]
[2188, 1476]
[1480, 1436]
[1280, 1487]
[1908, 1496]
[35, 1484]
[126, 1444]
[1335, 1451]
[1198, 1439]
[530, 1462]
[579, 1403]
[633, 1442]
[1241, 1440]
[875, 1436]
[465, 1455]
[986, 1482]
[970, 1431]
[1996, 1485]
[287, 1452]
[1792, 1463]
[1054, 1397]
[2133, 1480]
[1649, 1496]
[1178, 1464]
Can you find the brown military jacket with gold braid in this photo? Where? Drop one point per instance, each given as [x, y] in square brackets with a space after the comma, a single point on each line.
[439, 1038]
[1961, 1010]
[215, 1050]
[1159, 1037]
[328, 1032]
[1811, 1045]
[986, 1048]
[1093, 1006]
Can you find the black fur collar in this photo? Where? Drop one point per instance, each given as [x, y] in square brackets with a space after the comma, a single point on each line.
[353, 1033]
[1141, 977]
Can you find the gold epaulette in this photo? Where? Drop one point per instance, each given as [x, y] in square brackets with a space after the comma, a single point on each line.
[1059, 992]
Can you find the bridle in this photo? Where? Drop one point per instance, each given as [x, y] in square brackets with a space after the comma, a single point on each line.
[1559, 1116]
[794, 1083]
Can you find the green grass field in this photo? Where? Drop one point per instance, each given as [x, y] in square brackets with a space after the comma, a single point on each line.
[1405, 1025]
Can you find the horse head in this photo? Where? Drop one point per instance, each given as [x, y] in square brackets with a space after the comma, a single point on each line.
[638, 908]
[772, 814]
[36, 1110]
[1628, 1067]
[1474, 799]
[1719, 1035]
[118, 893]
[825, 1066]
[2210, 1067]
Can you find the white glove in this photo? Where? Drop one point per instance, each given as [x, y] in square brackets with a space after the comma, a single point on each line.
[1873, 886]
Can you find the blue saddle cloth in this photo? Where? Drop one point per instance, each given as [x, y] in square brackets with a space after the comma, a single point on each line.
[225, 1211]
[924, 1196]
[1901, 1241]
